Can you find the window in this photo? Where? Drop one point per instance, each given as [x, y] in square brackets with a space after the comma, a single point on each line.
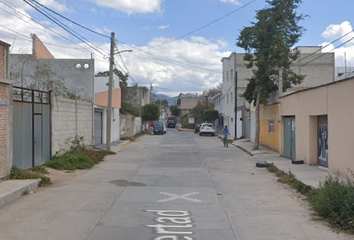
[227, 76]
[232, 74]
[271, 126]
[232, 97]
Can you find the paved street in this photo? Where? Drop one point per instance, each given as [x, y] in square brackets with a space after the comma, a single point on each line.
[171, 187]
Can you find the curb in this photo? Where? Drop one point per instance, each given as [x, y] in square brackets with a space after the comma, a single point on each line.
[244, 149]
[124, 143]
[13, 189]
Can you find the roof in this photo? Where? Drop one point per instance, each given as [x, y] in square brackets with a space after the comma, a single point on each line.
[4, 44]
[324, 85]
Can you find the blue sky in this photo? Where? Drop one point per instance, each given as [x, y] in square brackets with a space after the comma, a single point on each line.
[140, 24]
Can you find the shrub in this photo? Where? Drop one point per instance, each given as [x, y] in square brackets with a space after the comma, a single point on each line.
[17, 173]
[40, 169]
[334, 200]
[71, 161]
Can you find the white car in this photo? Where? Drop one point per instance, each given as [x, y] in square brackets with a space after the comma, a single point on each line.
[206, 128]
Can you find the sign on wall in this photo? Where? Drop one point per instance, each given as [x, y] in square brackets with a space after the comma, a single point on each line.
[190, 120]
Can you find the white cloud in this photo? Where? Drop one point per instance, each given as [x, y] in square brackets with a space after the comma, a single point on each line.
[162, 27]
[190, 65]
[52, 4]
[236, 2]
[129, 6]
[222, 43]
[343, 53]
[335, 31]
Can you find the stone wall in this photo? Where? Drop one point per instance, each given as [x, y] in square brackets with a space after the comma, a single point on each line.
[70, 118]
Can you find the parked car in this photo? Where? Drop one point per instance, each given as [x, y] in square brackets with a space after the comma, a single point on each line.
[171, 123]
[197, 127]
[207, 128]
[159, 128]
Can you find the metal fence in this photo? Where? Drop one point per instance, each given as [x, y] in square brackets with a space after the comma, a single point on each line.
[31, 127]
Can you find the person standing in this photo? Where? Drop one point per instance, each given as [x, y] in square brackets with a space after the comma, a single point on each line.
[152, 128]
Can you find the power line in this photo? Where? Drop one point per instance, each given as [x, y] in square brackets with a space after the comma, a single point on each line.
[129, 74]
[39, 23]
[77, 24]
[337, 39]
[204, 26]
[72, 32]
[324, 53]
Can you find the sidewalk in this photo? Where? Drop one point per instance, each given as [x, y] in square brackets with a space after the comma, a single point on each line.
[115, 146]
[309, 175]
[13, 189]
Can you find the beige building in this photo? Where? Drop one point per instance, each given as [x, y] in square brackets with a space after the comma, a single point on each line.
[317, 125]
[185, 104]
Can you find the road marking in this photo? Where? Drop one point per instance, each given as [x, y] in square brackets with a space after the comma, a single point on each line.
[173, 196]
[172, 225]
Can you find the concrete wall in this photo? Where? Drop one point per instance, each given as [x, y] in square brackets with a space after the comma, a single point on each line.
[6, 145]
[267, 113]
[130, 125]
[334, 100]
[70, 118]
[76, 74]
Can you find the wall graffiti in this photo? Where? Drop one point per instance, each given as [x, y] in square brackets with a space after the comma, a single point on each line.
[323, 144]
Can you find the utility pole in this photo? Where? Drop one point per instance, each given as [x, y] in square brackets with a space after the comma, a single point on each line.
[110, 90]
[235, 104]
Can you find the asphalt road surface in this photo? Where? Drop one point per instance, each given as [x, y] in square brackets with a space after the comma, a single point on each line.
[177, 186]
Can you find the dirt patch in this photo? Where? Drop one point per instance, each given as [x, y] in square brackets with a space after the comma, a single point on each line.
[59, 178]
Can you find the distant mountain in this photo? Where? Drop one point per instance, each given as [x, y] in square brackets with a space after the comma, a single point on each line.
[171, 100]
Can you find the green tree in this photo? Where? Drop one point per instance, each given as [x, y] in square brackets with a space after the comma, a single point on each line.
[268, 45]
[210, 115]
[162, 102]
[174, 110]
[150, 112]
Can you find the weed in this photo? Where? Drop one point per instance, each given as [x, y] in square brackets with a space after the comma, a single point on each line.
[40, 169]
[334, 201]
[71, 161]
[17, 173]
[290, 180]
[26, 192]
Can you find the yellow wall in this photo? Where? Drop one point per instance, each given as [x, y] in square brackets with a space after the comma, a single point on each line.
[270, 140]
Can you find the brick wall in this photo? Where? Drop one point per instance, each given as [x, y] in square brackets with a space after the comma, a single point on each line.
[70, 118]
[39, 49]
[1, 61]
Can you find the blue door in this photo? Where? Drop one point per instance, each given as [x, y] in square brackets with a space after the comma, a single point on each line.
[289, 137]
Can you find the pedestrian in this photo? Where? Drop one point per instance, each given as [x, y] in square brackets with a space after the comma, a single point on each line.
[152, 128]
[226, 132]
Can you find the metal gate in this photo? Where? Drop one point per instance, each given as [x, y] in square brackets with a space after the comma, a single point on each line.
[289, 137]
[31, 127]
[246, 120]
[98, 127]
[322, 137]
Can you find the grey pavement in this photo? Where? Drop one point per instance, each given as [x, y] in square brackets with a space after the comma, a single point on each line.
[167, 187]
[309, 175]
